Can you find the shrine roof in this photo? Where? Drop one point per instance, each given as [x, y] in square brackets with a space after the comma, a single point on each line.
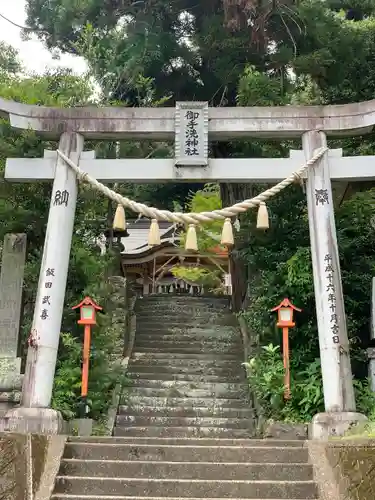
[137, 241]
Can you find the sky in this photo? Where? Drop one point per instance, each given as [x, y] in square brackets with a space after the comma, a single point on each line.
[34, 56]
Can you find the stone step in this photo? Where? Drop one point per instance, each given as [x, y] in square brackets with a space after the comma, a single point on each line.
[185, 327]
[188, 365]
[186, 340]
[188, 336]
[192, 348]
[185, 323]
[171, 311]
[169, 421]
[198, 368]
[120, 448]
[158, 402]
[177, 450]
[63, 496]
[184, 312]
[203, 330]
[185, 377]
[180, 306]
[186, 470]
[202, 336]
[188, 358]
[213, 387]
[191, 442]
[186, 488]
[203, 333]
[184, 391]
[198, 411]
[192, 317]
[183, 432]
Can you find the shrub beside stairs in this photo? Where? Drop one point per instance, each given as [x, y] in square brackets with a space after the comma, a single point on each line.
[185, 428]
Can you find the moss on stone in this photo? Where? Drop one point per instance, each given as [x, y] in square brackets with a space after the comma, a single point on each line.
[354, 467]
[13, 477]
[13, 464]
[39, 454]
[361, 430]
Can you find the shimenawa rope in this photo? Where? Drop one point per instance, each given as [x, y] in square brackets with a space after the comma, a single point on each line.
[192, 217]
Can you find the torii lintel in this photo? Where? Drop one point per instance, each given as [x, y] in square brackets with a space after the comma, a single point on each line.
[223, 123]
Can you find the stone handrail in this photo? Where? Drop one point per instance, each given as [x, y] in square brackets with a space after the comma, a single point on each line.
[159, 123]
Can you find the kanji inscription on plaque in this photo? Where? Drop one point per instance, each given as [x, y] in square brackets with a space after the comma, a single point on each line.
[191, 141]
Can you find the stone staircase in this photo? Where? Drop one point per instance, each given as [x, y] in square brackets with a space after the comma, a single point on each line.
[187, 378]
[184, 428]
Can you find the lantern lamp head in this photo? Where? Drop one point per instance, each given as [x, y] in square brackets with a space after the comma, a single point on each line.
[88, 308]
[285, 312]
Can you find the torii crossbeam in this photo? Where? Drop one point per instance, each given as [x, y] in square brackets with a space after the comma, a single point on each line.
[228, 170]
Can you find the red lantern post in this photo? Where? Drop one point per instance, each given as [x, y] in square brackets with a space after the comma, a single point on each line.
[285, 321]
[88, 308]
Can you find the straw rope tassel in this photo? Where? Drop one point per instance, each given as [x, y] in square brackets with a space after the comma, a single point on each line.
[227, 237]
[119, 221]
[191, 239]
[262, 219]
[154, 234]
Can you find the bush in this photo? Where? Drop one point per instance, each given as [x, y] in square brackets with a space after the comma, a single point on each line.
[266, 381]
[103, 377]
[105, 372]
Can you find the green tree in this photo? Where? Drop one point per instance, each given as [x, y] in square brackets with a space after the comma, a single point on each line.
[199, 50]
[9, 61]
[208, 237]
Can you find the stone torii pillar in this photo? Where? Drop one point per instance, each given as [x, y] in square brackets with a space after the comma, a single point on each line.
[334, 346]
[34, 415]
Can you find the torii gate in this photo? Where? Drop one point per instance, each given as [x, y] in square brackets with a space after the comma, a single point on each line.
[191, 124]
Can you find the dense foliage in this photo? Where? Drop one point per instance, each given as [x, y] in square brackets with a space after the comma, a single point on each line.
[266, 379]
[228, 52]
[105, 369]
[208, 238]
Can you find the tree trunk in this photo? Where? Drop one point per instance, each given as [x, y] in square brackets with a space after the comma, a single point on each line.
[231, 194]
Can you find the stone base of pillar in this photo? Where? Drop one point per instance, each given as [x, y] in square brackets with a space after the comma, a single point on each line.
[33, 420]
[326, 425]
